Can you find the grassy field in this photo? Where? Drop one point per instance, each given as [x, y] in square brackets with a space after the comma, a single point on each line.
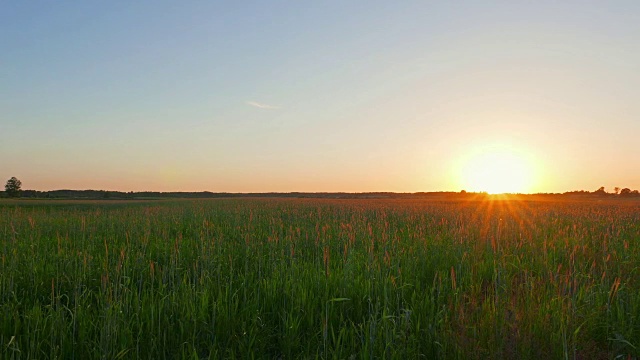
[327, 279]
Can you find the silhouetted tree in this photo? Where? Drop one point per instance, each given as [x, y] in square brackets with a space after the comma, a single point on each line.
[625, 192]
[600, 191]
[616, 190]
[13, 187]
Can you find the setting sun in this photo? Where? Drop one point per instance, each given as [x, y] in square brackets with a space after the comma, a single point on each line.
[498, 170]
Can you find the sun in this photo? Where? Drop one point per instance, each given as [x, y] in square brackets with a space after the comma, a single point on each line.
[497, 170]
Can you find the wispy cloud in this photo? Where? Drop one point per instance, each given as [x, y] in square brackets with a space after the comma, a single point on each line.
[262, 106]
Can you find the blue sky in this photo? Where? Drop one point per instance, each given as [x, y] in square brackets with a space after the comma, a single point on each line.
[324, 96]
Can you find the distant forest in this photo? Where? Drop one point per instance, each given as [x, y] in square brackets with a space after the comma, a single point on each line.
[119, 195]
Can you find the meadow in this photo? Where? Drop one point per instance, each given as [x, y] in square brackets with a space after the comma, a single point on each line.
[320, 279]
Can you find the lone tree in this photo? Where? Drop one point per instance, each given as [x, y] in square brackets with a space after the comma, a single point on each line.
[13, 187]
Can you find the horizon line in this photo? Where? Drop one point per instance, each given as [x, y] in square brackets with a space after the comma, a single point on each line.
[332, 192]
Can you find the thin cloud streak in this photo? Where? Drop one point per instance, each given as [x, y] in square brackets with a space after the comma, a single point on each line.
[262, 106]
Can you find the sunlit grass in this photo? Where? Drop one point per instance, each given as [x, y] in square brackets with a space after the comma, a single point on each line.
[320, 279]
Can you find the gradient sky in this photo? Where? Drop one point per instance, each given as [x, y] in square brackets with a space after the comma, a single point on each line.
[360, 96]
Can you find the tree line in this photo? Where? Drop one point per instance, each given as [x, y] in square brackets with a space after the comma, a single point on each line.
[13, 189]
[622, 192]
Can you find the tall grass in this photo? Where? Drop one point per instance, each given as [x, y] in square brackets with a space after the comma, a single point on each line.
[327, 279]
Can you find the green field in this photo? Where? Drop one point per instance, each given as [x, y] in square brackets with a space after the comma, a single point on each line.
[326, 279]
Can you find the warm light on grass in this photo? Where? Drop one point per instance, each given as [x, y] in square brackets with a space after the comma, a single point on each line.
[320, 278]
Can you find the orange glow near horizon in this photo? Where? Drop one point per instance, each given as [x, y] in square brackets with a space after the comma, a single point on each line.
[497, 170]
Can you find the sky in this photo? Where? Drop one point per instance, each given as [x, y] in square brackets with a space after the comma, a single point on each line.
[355, 96]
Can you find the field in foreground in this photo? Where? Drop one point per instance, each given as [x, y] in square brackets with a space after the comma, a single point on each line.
[329, 279]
